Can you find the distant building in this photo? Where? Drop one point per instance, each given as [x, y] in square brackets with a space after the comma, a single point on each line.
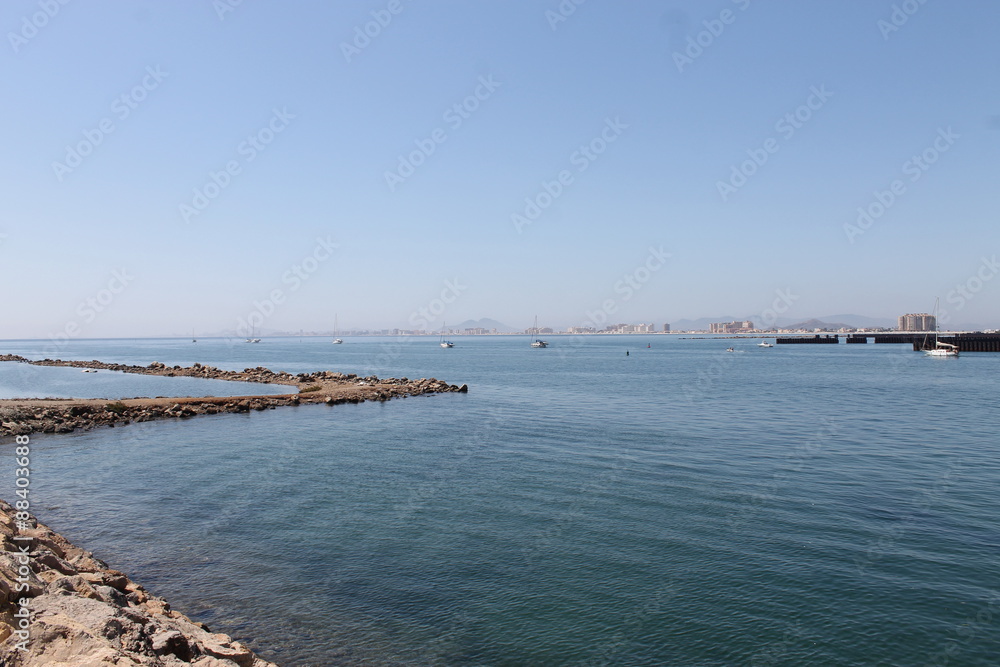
[917, 322]
[666, 328]
[630, 328]
[730, 327]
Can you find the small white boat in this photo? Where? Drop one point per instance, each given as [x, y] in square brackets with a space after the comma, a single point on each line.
[729, 349]
[89, 370]
[940, 349]
[765, 344]
[537, 343]
[445, 343]
[336, 330]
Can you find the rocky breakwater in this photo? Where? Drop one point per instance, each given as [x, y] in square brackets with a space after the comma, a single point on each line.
[25, 416]
[81, 612]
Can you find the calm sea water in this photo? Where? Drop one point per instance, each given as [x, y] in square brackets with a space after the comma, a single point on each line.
[800, 505]
[20, 380]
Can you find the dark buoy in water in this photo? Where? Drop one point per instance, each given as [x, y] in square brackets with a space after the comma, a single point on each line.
[626, 353]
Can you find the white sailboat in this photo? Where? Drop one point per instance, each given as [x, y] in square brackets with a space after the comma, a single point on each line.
[336, 331]
[445, 343]
[537, 342]
[940, 349]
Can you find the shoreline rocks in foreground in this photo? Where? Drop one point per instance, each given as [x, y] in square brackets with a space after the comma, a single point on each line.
[56, 415]
[84, 613]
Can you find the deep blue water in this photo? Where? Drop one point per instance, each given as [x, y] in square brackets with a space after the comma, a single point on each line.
[682, 505]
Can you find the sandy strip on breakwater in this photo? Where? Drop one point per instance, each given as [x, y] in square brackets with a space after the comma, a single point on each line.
[58, 415]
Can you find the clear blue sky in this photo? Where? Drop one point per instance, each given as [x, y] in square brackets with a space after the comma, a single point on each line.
[199, 81]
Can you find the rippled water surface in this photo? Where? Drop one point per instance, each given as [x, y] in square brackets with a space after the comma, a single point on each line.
[680, 505]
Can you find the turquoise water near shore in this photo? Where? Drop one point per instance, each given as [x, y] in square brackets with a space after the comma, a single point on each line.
[20, 380]
[681, 505]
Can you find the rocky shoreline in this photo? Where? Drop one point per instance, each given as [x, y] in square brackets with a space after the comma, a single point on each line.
[26, 416]
[81, 612]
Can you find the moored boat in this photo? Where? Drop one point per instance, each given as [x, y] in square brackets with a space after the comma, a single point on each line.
[538, 343]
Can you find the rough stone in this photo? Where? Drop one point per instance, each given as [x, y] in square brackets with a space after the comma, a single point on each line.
[97, 617]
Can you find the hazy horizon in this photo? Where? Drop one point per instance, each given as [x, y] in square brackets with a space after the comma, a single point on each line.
[203, 166]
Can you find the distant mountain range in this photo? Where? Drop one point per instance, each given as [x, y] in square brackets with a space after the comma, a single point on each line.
[825, 322]
[809, 325]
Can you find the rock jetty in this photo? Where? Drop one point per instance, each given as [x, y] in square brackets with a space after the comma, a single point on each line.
[25, 416]
[81, 612]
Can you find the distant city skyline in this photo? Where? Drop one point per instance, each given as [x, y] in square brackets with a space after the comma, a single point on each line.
[195, 166]
[909, 322]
